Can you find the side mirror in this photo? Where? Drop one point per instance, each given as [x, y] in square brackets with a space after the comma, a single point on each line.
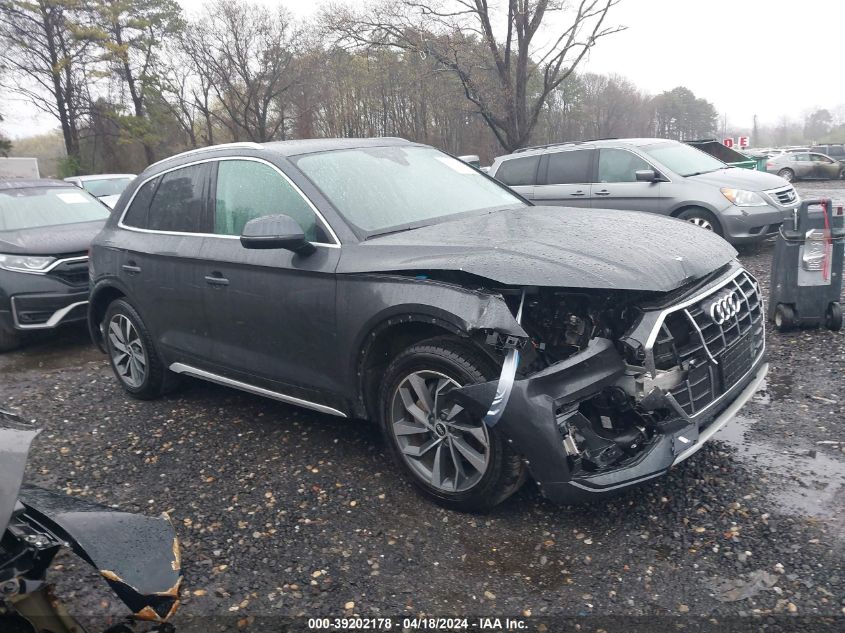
[276, 231]
[647, 175]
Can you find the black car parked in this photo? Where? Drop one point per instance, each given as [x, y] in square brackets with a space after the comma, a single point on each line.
[382, 279]
[46, 227]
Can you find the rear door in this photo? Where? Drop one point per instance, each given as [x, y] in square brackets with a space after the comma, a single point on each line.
[617, 187]
[165, 224]
[565, 178]
[271, 312]
[520, 174]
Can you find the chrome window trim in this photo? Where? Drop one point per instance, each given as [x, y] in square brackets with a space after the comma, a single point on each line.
[725, 281]
[50, 323]
[254, 159]
[188, 370]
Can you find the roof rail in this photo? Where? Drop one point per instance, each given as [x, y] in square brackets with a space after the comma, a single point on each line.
[200, 150]
[561, 143]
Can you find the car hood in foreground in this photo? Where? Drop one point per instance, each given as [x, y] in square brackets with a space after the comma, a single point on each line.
[748, 179]
[50, 240]
[552, 246]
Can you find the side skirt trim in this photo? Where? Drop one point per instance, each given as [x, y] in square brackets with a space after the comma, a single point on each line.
[187, 370]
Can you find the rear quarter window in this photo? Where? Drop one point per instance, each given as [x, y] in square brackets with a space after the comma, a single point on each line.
[518, 171]
[138, 213]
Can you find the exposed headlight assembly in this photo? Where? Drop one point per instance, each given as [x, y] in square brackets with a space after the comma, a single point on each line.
[26, 263]
[742, 198]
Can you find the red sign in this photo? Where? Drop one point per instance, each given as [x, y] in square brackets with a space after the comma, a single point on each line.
[743, 142]
[728, 142]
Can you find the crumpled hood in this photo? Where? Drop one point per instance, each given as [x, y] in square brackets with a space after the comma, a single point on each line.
[60, 239]
[552, 246]
[748, 179]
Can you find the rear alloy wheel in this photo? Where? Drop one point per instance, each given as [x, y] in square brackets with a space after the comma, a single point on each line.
[133, 357]
[787, 174]
[702, 218]
[445, 451]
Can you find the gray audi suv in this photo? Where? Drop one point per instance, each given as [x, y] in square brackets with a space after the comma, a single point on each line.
[491, 340]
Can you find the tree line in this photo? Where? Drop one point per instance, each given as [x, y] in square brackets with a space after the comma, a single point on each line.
[132, 81]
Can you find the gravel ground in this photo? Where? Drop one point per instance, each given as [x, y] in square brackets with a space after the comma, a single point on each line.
[284, 512]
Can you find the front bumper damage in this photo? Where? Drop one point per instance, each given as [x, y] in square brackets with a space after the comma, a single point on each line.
[542, 406]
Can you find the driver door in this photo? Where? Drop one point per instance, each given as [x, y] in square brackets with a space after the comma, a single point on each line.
[271, 312]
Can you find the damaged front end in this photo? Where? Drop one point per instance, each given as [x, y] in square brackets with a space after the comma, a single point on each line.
[612, 388]
[138, 556]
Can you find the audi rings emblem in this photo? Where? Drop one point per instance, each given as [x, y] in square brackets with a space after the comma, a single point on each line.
[724, 307]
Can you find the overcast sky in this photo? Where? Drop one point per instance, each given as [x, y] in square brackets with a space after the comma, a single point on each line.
[764, 57]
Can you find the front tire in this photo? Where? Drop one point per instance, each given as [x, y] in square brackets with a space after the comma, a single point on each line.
[9, 340]
[449, 455]
[702, 218]
[132, 354]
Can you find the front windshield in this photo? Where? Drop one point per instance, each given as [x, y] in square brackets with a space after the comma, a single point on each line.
[33, 207]
[683, 159]
[381, 188]
[106, 186]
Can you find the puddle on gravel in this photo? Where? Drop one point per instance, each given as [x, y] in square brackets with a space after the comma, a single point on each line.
[806, 480]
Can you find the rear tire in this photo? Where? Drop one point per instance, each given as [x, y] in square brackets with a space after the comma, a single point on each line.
[787, 174]
[9, 340]
[784, 317]
[451, 457]
[132, 353]
[702, 218]
[833, 317]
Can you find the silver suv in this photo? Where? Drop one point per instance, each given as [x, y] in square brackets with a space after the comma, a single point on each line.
[654, 175]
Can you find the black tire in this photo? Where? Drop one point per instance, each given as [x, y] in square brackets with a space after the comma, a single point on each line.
[155, 378]
[9, 340]
[703, 218]
[787, 174]
[458, 361]
[833, 317]
[784, 317]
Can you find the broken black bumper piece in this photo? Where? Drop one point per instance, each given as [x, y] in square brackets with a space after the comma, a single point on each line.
[541, 404]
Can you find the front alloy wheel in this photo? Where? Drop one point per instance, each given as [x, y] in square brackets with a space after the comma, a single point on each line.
[129, 358]
[440, 444]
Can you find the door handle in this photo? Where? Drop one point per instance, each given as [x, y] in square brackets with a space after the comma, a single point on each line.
[577, 193]
[216, 279]
[131, 268]
[603, 192]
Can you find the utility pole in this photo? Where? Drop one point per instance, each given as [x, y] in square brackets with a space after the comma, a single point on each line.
[755, 134]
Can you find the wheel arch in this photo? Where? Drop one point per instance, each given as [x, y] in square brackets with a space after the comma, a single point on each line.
[389, 336]
[102, 295]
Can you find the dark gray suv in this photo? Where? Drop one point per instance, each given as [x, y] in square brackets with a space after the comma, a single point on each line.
[492, 340]
[654, 175]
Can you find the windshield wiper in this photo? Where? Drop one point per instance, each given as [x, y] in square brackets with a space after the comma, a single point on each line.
[698, 173]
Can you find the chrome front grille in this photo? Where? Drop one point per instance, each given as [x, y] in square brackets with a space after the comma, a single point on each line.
[715, 356]
[784, 196]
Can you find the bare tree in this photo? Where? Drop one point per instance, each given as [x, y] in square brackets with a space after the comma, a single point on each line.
[498, 57]
[245, 53]
[44, 59]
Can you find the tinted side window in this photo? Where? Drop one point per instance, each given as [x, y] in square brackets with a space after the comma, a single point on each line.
[569, 167]
[248, 190]
[519, 171]
[179, 201]
[138, 213]
[619, 165]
